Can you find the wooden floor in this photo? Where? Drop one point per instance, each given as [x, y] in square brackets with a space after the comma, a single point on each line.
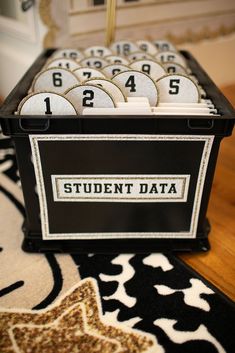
[218, 265]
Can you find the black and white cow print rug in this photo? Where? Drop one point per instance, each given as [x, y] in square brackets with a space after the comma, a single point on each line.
[101, 303]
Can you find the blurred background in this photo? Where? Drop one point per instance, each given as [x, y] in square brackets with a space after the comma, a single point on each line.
[205, 27]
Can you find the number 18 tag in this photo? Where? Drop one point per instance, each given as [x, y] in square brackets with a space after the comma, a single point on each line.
[177, 88]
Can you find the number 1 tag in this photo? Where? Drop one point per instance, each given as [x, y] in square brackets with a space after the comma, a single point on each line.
[89, 96]
[46, 103]
[177, 89]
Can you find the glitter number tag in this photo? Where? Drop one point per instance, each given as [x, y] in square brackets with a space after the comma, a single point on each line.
[111, 87]
[54, 79]
[177, 89]
[89, 96]
[84, 73]
[150, 67]
[98, 51]
[171, 56]
[94, 61]
[137, 84]
[46, 103]
[65, 63]
[124, 47]
[74, 54]
[147, 47]
[113, 69]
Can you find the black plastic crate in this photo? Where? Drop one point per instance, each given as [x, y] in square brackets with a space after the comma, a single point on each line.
[116, 150]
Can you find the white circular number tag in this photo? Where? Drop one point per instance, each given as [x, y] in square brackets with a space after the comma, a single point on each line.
[147, 47]
[177, 89]
[54, 79]
[113, 69]
[110, 87]
[174, 68]
[69, 64]
[150, 67]
[93, 61]
[68, 53]
[137, 84]
[124, 47]
[46, 103]
[171, 56]
[115, 59]
[164, 45]
[138, 55]
[84, 73]
[98, 51]
[89, 96]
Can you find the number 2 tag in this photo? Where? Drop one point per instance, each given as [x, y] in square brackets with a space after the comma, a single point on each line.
[54, 79]
[110, 87]
[177, 89]
[46, 103]
[89, 96]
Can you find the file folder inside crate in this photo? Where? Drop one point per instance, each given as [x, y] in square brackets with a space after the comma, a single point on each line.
[116, 183]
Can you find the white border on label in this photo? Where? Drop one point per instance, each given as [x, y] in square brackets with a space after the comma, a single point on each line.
[46, 235]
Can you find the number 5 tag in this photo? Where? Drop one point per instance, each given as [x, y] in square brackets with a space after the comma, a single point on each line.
[177, 89]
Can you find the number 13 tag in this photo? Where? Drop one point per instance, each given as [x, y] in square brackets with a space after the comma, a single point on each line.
[177, 88]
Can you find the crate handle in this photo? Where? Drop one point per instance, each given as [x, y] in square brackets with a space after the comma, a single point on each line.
[203, 124]
[32, 124]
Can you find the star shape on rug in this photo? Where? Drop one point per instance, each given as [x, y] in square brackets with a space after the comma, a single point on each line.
[74, 323]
